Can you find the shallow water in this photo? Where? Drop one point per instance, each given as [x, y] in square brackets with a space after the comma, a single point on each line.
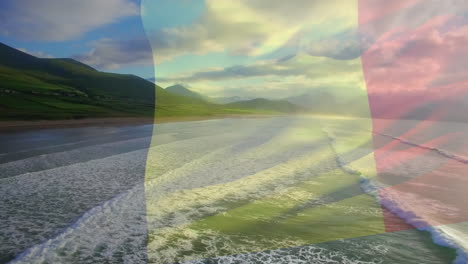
[274, 190]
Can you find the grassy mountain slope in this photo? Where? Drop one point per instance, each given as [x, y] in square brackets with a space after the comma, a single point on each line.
[36, 88]
[181, 90]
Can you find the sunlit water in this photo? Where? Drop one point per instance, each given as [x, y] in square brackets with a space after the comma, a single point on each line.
[272, 190]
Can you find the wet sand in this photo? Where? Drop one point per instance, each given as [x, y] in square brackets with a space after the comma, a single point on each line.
[24, 125]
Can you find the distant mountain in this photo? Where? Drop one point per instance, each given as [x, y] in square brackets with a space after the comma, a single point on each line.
[323, 102]
[263, 104]
[232, 99]
[316, 100]
[37, 88]
[179, 89]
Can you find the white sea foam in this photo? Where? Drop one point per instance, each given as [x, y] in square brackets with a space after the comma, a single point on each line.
[442, 152]
[304, 254]
[196, 172]
[452, 235]
[188, 164]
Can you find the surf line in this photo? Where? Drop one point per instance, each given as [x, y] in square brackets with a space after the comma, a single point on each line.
[372, 188]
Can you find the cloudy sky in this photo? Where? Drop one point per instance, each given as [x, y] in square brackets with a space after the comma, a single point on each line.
[256, 48]
[81, 29]
[268, 48]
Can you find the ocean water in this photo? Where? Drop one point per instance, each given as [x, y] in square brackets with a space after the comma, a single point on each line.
[270, 190]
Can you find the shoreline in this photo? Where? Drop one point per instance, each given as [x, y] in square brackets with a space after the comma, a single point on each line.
[25, 125]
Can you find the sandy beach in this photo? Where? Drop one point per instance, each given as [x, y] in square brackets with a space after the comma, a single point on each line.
[22, 125]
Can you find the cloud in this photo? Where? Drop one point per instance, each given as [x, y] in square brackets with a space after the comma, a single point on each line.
[251, 27]
[234, 72]
[114, 54]
[421, 60]
[276, 78]
[298, 65]
[58, 20]
[385, 16]
[406, 46]
[278, 48]
[38, 54]
[342, 46]
[276, 87]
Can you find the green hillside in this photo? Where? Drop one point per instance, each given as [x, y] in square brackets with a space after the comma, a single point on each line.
[36, 88]
[181, 90]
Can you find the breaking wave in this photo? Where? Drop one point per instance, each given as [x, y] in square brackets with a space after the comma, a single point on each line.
[442, 152]
[443, 235]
